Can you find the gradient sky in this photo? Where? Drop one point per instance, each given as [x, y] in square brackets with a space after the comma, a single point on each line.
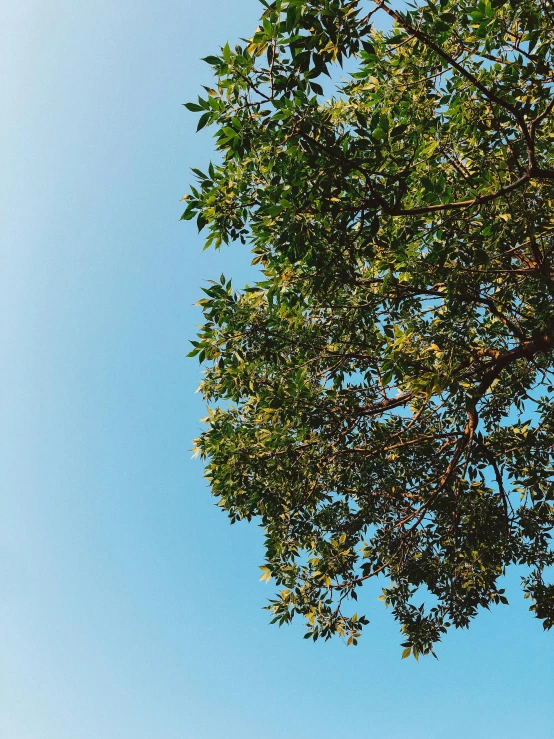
[129, 607]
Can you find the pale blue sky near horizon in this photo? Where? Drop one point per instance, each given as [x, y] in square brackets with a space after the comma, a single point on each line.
[129, 607]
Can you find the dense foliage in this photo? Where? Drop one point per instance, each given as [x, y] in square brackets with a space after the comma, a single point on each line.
[380, 401]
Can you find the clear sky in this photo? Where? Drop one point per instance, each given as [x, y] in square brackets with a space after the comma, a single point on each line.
[129, 607]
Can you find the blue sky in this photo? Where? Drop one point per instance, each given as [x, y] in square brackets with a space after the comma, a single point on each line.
[128, 605]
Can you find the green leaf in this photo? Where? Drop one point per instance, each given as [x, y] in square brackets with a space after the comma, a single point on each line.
[204, 119]
[212, 60]
[229, 132]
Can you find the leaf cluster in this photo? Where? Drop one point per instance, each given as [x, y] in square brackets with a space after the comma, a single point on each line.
[380, 399]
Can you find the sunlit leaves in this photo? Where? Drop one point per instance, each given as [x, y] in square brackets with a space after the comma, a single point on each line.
[380, 398]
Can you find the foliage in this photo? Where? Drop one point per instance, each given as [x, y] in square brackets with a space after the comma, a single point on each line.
[380, 400]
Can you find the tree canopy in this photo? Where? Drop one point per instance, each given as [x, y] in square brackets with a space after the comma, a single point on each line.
[380, 400]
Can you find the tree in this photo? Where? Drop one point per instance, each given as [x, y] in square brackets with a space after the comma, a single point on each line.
[380, 400]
